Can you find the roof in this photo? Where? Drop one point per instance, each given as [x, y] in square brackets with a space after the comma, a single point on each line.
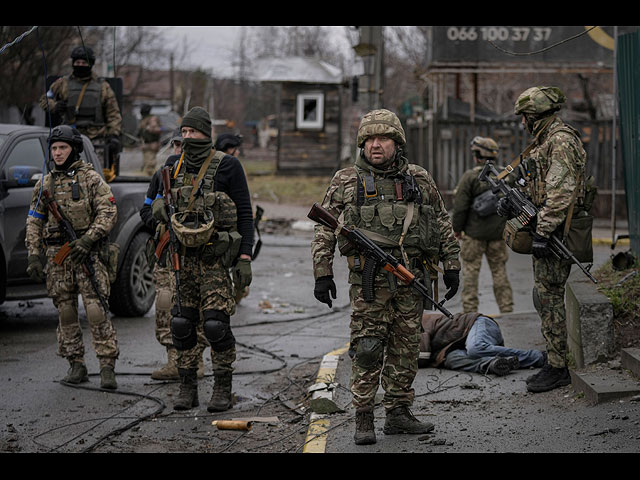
[296, 69]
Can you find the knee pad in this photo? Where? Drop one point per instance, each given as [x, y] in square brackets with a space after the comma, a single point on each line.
[183, 328]
[68, 314]
[164, 300]
[369, 352]
[217, 330]
[95, 313]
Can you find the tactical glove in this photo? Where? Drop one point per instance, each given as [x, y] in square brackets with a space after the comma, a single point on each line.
[504, 208]
[80, 249]
[159, 210]
[540, 246]
[452, 282]
[34, 268]
[325, 286]
[242, 273]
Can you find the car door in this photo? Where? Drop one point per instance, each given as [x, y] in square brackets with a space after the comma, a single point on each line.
[21, 165]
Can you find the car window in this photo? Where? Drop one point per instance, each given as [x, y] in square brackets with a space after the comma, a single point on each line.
[28, 153]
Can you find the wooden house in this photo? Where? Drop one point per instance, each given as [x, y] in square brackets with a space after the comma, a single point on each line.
[309, 114]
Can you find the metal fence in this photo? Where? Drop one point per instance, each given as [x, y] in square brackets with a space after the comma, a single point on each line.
[443, 148]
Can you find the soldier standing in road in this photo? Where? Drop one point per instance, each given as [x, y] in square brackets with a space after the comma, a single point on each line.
[149, 132]
[398, 205]
[482, 230]
[214, 225]
[85, 200]
[556, 166]
[87, 103]
[163, 278]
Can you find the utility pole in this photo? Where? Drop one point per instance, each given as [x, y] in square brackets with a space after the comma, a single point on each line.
[371, 82]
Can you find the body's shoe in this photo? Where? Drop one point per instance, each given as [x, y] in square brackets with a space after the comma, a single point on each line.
[503, 365]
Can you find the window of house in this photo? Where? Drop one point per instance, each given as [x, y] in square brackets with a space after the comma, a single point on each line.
[310, 111]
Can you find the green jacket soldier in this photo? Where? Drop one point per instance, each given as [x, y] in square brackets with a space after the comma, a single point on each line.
[213, 222]
[149, 132]
[482, 228]
[556, 167]
[397, 205]
[86, 201]
[87, 103]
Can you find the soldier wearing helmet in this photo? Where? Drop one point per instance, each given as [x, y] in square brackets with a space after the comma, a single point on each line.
[479, 229]
[395, 203]
[214, 225]
[149, 131]
[87, 103]
[555, 184]
[86, 201]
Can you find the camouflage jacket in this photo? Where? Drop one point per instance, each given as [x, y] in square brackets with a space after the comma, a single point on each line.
[429, 236]
[110, 109]
[91, 209]
[464, 219]
[556, 167]
[149, 132]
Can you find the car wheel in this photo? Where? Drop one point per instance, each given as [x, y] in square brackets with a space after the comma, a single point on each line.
[133, 292]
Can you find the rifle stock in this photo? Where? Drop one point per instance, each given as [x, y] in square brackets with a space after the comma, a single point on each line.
[372, 252]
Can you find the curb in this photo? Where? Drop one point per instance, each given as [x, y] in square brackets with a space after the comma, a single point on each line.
[607, 241]
[319, 423]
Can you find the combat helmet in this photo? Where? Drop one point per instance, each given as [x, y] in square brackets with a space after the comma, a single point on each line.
[193, 229]
[487, 147]
[381, 122]
[67, 134]
[538, 100]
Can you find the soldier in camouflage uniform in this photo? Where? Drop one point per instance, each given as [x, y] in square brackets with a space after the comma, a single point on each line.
[482, 233]
[149, 132]
[214, 225]
[397, 205]
[164, 279]
[87, 103]
[556, 167]
[85, 200]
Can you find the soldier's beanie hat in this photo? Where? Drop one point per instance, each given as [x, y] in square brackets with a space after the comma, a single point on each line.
[83, 53]
[199, 119]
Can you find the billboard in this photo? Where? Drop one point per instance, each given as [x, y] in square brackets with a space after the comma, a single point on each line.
[500, 46]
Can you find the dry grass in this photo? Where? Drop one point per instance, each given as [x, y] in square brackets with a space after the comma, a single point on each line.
[622, 287]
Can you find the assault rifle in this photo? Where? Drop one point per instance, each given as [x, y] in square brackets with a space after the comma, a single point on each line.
[374, 255]
[174, 245]
[71, 235]
[526, 212]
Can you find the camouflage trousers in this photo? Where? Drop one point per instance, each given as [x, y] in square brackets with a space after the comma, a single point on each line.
[385, 345]
[64, 283]
[165, 283]
[471, 252]
[149, 161]
[550, 278]
[206, 287]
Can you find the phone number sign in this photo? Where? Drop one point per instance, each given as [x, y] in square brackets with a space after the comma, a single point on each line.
[517, 44]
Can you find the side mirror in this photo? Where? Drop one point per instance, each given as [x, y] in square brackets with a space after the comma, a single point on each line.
[22, 176]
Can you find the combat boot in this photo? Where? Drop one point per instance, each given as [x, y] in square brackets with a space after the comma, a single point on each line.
[188, 395]
[502, 365]
[401, 420]
[77, 373]
[221, 398]
[549, 378]
[365, 428]
[170, 370]
[108, 378]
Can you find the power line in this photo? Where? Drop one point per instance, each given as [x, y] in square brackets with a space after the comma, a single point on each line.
[516, 54]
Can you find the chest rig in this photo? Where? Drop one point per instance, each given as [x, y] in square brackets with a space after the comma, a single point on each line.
[84, 108]
[198, 204]
[69, 190]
